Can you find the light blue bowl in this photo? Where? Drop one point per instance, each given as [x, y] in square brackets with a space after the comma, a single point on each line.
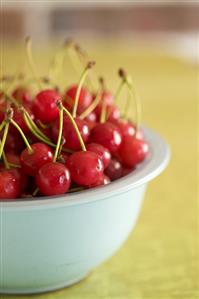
[50, 243]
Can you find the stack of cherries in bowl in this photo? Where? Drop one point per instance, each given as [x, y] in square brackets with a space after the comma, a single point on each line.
[57, 142]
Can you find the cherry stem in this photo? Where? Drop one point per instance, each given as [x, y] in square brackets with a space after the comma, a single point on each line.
[76, 128]
[2, 125]
[92, 106]
[35, 192]
[60, 107]
[5, 161]
[81, 81]
[76, 189]
[30, 150]
[32, 126]
[10, 98]
[82, 55]
[31, 61]
[137, 102]
[5, 134]
[103, 112]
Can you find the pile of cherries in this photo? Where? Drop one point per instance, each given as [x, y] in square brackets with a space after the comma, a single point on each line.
[57, 142]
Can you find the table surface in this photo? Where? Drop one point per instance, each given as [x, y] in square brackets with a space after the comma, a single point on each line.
[160, 258]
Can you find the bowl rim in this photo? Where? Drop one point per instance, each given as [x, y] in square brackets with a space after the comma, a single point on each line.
[154, 164]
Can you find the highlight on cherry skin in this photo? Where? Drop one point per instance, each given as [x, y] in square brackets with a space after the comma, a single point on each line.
[62, 139]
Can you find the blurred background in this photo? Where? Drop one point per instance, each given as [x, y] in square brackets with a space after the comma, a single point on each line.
[158, 43]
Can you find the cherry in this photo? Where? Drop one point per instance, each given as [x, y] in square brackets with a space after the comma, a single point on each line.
[127, 128]
[22, 178]
[53, 178]
[32, 162]
[104, 180]
[114, 170]
[22, 95]
[85, 167]
[13, 158]
[91, 117]
[113, 113]
[133, 151]
[102, 152]
[18, 118]
[105, 96]
[126, 170]
[9, 185]
[45, 106]
[14, 143]
[69, 133]
[84, 101]
[107, 135]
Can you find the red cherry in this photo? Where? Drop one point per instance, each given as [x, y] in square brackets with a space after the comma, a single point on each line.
[85, 167]
[108, 98]
[32, 162]
[53, 178]
[45, 105]
[133, 151]
[13, 158]
[18, 118]
[102, 152]
[113, 113]
[22, 177]
[107, 135]
[69, 133]
[104, 180]
[91, 117]
[114, 170]
[127, 128]
[22, 95]
[126, 171]
[14, 143]
[85, 99]
[9, 185]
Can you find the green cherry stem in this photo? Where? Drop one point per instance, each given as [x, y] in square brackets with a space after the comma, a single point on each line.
[5, 161]
[30, 150]
[32, 126]
[31, 61]
[92, 106]
[60, 107]
[2, 125]
[76, 128]
[81, 81]
[137, 102]
[5, 134]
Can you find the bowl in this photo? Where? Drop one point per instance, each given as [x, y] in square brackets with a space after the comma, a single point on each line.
[54, 242]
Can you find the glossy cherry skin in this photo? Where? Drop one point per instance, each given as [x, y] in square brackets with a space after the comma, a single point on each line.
[31, 163]
[133, 151]
[84, 101]
[53, 179]
[22, 95]
[102, 152]
[13, 158]
[107, 135]
[127, 128]
[86, 168]
[14, 143]
[69, 133]
[9, 185]
[114, 170]
[45, 106]
[104, 180]
[126, 170]
[18, 118]
[113, 113]
[22, 178]
[108, 98]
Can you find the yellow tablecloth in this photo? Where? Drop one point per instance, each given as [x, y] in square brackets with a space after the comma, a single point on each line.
[160, 258]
